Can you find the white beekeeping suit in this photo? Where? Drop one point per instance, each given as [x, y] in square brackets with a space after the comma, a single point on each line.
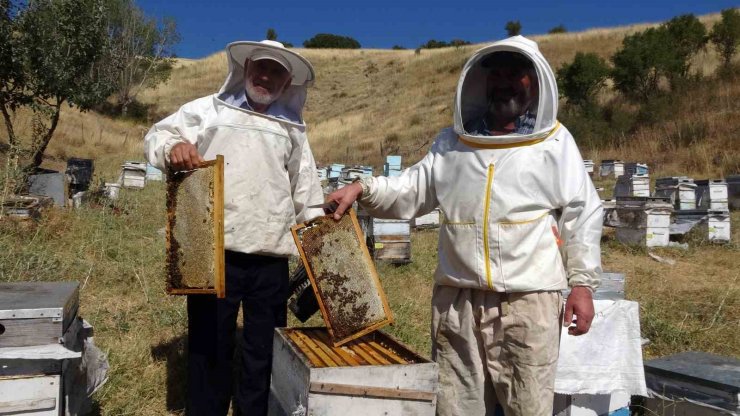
[270, 173]
[522, 221]
[521, 214]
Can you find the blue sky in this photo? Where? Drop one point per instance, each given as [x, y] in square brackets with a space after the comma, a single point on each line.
[206, 27]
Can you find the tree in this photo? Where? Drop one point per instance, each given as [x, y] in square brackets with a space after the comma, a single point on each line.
[558, 29]
[328, 40]
[582, 79]
[141, 50]
[725, 35]
[56, 49]
[271, 34]
[688, 36]
[459, 43]
[434, 44]
[513, 27]
[398, 48]
[642, 62]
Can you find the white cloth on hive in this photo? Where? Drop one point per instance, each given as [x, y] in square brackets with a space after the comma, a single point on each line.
[606, 359]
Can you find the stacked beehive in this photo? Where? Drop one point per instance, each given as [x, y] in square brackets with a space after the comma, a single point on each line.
[611, 167]
[644, 221]
[712, 194]
[681, 191]
[390, 240]
[589, 166]
[42, 342]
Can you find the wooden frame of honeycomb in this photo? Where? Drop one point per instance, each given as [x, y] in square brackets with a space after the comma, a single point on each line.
[195, 230]
[343, 276]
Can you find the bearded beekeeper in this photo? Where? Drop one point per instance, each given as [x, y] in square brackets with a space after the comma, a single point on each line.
[522, 221]
[270, 179]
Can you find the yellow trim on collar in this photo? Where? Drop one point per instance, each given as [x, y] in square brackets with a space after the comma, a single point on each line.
[507, 145]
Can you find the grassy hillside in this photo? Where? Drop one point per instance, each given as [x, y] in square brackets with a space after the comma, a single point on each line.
[363, 101]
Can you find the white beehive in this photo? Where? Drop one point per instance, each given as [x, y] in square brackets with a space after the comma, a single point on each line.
[372, 375]
[589, 166]
[632, 185]
[430, 220]
[390, 240]
[643, 221]
[611, 167]
[712, 194]
[680, 189]
[718, 226]
[133, 175]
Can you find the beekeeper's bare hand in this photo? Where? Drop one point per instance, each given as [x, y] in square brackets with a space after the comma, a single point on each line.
[581, 304]
[184, 156]
[344, 198]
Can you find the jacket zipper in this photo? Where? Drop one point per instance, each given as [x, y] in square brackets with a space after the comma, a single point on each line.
[486, 248]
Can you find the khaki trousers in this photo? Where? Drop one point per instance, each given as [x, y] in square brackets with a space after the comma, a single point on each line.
[494, 348]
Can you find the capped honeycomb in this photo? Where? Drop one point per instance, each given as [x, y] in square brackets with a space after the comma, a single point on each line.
[195, 230]
[343, 275]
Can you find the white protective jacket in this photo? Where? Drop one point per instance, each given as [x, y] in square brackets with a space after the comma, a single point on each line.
[269, 174]
[520, 212]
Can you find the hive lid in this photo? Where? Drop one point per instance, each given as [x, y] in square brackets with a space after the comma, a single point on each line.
[27, 300]
[715, 371]
[343, 276]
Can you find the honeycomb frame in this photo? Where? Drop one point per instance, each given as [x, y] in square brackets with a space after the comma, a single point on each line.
[185, 233]
[343, 276]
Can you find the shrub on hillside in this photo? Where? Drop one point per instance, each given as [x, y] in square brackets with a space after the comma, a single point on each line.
[580, 80]
[643, 61]
[434, 44]
[601, 127]
[725, 35]
[558, 29]
[688, 36]
[513, 27]
[458, 43]
[328, 40]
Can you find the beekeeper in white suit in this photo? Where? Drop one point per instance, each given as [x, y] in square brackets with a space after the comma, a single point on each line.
[270, 179]
[522, 221]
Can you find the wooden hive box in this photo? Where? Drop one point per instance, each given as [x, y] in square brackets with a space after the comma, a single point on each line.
[391, 240]
[195, 231]
[33, 315]
[36, 313]
[372, 375]
[343, 276]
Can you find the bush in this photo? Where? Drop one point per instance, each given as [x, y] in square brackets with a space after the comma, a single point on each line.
[398, 48]
[599, 127]
[688, 36]
[434, 44]
[643, 61]
[458, 43]
[582, 79]
[513, 27]
[328, 40]
[558, 29]
[725, 35]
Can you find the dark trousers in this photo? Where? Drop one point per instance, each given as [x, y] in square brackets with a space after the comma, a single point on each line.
[260, 285]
